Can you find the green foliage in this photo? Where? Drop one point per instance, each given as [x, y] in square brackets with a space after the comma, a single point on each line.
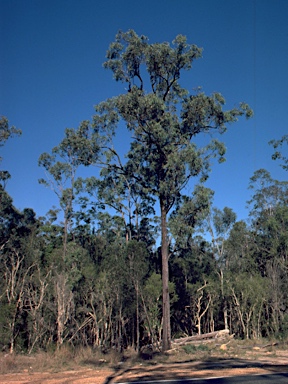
[164, 120]
[269, 212]
[162, 157]
[189, 215]
[191, 348]
[6, 132]
[240, 248]
[79, 147]
[6, 314]
[248, 291]
[278, 155]
[96, 278]
[152, 294]
[223, 220]
[282, 333]
[268, 193]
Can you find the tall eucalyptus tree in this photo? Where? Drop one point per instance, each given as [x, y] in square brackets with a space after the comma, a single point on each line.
[164, 121]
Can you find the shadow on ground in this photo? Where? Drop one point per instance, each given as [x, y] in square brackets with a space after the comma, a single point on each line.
[193, 369]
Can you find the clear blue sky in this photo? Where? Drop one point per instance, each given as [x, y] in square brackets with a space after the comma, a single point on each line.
[51, 76]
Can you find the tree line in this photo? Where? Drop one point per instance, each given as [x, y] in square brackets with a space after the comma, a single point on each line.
[129, 257]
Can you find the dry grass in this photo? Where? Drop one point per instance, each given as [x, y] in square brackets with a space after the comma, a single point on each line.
[68, 358]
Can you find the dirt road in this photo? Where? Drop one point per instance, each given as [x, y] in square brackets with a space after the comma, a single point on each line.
[127, 372]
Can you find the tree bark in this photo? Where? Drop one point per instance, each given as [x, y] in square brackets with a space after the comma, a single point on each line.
[210, 335]
[225, 312]
[166, 337]
[137, 318]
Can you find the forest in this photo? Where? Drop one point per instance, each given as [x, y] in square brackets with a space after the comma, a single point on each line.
[128, 258]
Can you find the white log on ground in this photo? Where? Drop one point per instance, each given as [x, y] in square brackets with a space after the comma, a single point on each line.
[211, 335]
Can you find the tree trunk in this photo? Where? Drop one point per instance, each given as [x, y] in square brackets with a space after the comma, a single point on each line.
[64, 298]
[137, 319]
[225, 313]
[166, 337]
[211, 335]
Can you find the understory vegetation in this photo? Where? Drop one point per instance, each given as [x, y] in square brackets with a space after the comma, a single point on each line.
[105, 289]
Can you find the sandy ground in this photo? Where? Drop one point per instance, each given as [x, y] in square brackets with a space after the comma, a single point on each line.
[265, 362]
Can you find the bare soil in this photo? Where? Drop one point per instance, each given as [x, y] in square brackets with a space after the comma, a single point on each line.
[220, 360]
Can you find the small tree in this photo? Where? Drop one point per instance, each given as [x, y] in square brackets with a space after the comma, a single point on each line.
[136, 256]
[220, 224]
[76, 149]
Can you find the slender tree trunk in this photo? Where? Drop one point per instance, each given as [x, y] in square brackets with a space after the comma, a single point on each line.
[225, 313]
[211, 321]
[199, 315]
[166, 338]
[137, 319]
[64, 298]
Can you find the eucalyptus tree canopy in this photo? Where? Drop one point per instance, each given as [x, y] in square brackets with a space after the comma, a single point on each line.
[5, 133]
[268, 193]
[77, 148]
[278, 155]
[269, 213]
[164, 119]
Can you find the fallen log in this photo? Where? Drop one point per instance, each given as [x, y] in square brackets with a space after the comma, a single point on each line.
[211, 335]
